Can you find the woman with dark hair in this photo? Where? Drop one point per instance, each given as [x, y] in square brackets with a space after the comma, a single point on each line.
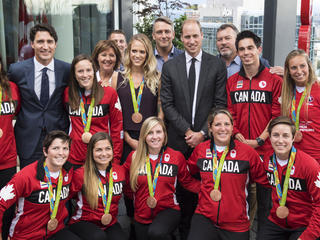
[99, 185]
[106, 57]
[92, 108]
[154, 171]
[294, 177]
[9, 105]
[226, 167]
[300, 100]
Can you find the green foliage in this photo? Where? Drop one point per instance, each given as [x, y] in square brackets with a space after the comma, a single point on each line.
[178, 27]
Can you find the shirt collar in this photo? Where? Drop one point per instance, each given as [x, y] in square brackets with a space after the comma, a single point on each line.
[156, 53]
[198, 57]
[38, 66]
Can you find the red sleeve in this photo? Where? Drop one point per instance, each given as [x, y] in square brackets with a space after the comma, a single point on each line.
[126, 167]
[77, 182]
[257, 171]
[231, 106]
[313, 185]
[16, 95]
[192, 161]
[116, 129]
[276, 93]
[185, 177]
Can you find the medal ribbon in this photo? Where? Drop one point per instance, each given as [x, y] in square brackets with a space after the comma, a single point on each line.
[282, 195]
[296, 114]
[153, 184]
[86, 121]
[54, 203]
[216, 170]
[136, 100]
[106, 203]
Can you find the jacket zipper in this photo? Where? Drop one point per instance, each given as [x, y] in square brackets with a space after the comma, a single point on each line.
[249, 109]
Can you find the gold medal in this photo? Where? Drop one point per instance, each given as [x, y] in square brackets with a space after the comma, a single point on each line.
[136, 117]
[106, 219]
[151, 202]
[86, 137]
[52, 224]
[282, 212]
[215, 195]
[298, 136]
[1, 133]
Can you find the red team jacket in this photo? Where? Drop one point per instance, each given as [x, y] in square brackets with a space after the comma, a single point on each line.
[309, 123]
[253, 103]
[303, 199]
[106, 117]
[29, 190]
[8, 151]
[242, 165]
[173, 168]
[84, 212]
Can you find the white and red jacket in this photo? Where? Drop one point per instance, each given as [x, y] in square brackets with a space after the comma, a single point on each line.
[241, 166]
[309, 123]
[84, 212]
[29, 190]
[253, 103]
[8, 151]
[106, 117]
[173, 169]
[303, 199]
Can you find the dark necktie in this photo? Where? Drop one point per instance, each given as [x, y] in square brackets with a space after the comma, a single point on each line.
[44, 94]
[192, 79]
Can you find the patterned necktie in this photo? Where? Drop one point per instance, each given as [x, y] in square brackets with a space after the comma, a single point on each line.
[44, 94]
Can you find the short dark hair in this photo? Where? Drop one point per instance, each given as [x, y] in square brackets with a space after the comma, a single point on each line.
[282, 120]
[228, 25]
[165, 20]
[42, 27]
[51, 136]
[117, 31]
[248, 34]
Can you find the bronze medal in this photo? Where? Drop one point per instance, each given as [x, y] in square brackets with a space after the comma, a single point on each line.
[86, 137]
[52, 224]
[136, 117]
[1, 133]
[151, 202]
[282, 212]
[298, 136]
[106, 219]
[215, 195]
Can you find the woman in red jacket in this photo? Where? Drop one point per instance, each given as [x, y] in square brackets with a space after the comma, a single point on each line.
[92, 108]
[99, 188]
[226, 168]
[154, 172]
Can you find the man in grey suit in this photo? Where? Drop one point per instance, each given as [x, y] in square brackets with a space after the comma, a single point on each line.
[41, 81]
[191, 85]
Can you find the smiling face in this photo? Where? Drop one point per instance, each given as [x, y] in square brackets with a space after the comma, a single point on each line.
[107, 60]
[138, 54]
[248, 52]
[299, 70]
[191, 38]
[44, 47]
[226, 43]
[84, 74]
[102, 154]
[163, 35]
[120, 40]
[281, 140]
[155, 139]
[221, 129]
[57, 154]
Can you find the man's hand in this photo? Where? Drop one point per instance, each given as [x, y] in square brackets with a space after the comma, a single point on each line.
[252, 142]
[193, 138]
[277, 70]
[240, 138]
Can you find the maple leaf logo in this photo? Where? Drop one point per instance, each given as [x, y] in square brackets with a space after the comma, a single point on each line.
[7, 193]
[118, 105]
[317, 182]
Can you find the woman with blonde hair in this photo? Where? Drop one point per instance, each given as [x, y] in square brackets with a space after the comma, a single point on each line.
[300, 100]
[106, 57]
[138, 88]
[154, 171]
[99, 188]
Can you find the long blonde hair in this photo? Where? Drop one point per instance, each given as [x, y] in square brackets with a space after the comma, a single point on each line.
[139, 156]
[288, 85]
[151, 75]
[91, 172]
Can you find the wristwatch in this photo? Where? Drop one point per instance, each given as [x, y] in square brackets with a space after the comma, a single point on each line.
[260, 141]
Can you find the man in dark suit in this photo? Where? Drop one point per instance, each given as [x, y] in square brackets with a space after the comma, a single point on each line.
[191, 85]
[41, 81]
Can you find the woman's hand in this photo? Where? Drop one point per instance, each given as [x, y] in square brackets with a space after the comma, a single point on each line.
[133, 143]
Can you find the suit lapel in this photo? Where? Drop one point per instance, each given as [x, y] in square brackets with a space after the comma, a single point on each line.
[204, 69]
[29, 70]
[184, 79]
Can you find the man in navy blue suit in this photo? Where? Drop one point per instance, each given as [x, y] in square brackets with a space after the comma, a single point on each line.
[41, 81]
